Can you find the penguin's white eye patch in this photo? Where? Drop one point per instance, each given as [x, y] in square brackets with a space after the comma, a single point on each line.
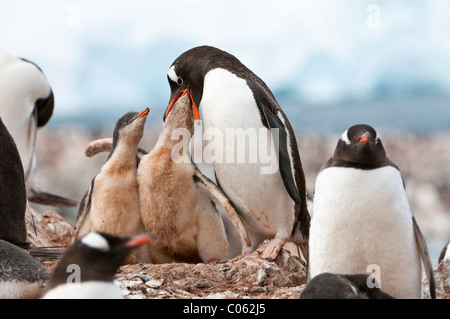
[96, 241]
[173, 75]
[344, 137]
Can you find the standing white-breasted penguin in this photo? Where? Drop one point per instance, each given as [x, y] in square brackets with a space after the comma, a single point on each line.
[87, 269]
[178, 202]
[26, 104]
[362, 220]
[112, 202]
[271, 203]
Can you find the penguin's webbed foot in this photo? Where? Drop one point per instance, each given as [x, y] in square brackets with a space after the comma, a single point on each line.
[271, 249]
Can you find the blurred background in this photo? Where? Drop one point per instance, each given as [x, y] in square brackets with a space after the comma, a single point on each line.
[331, 64]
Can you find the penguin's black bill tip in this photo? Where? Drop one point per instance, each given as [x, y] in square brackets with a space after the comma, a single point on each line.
[140, 240]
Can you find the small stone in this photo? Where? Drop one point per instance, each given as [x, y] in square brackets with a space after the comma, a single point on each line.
[132, 283]
[154, 283]
[203, 283]
[136, 295]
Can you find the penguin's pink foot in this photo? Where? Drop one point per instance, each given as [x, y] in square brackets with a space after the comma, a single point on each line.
[270, 250]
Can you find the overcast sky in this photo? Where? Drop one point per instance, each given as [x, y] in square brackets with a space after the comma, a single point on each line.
[326, 50]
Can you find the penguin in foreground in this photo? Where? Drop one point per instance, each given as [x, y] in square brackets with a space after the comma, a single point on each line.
[87, 269]
[178, 202]
[21, 275]
[362, 219]
[337, 286]
[26, 104]
[112, 204]
[270, 198]
[13, 197]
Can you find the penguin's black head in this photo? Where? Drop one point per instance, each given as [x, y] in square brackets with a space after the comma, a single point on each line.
[97, 255]
[131, 124]
[360, 145]
[187, 73]
[183, 79]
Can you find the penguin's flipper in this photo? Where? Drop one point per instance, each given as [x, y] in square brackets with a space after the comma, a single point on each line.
[39, 197]
[98, 146]
[285, 160]
[423, 250]
[105, 145]
[82, 222]
[215, 194]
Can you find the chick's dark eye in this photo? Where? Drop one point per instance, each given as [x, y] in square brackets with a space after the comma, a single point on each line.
[179, 81]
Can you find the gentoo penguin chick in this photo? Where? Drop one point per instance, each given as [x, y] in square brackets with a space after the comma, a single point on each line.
[177, 200]
[26, 104]
[112, 204]
[337, 286]
[362, 220]
[13, 197]
[270, 198]
[21, 275]
[87, 269]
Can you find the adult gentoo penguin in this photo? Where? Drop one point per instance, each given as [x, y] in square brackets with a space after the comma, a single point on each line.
[178, 202]
[21, 275]
[88, 266]
[272, 205]
[26, 104]
[362, 220]
[112, 204]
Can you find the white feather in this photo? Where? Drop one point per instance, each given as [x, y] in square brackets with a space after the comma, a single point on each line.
[344, 137]
[362, 217]
[85, 290]
[172, 74]
[266, 207]
[96, 241]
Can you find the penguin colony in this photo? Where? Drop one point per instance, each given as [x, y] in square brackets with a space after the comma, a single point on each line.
[146, 207]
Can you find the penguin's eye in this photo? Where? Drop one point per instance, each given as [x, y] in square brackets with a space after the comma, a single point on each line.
[179, 81]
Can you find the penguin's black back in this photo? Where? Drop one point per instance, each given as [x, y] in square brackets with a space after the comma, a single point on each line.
[13, 196]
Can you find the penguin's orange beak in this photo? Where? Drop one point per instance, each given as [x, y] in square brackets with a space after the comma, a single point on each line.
[139, 240]
[194, 106]
[364, 138]
[144, 113]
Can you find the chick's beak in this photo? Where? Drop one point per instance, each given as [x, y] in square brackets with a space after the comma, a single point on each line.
[139, 240]
[194, 106]
[364, 138]
[144, 112]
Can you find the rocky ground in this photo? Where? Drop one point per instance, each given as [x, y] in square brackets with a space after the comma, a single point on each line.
[243, 277]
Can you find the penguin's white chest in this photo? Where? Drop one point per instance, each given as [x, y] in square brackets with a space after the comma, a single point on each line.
[85, 290]
[233, 126]
[362, 220]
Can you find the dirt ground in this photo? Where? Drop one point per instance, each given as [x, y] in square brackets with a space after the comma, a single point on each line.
[243, 277]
